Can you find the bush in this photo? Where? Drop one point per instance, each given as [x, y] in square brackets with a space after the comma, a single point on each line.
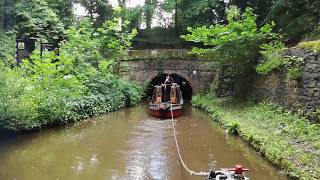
[27, 104]
[233, 127]
[272, 57]
[76, 84]
[7, 48]
[16, 110]
[110, 93]
[294, 67]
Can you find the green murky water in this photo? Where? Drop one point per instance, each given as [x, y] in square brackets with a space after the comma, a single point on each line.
[128, 144]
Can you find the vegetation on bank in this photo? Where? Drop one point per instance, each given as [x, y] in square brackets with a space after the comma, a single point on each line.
[311, 45]
[74, 84]
[287, 140]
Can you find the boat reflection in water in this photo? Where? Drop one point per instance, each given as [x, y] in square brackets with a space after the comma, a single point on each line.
[164, 96]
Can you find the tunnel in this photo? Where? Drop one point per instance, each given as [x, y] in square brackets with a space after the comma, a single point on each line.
[185, 87]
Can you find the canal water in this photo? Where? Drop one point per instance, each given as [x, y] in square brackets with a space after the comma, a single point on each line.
[128, 145]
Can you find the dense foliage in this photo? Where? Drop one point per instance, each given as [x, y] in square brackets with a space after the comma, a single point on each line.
[297, 19]
[46, 19]
[98, 10]
[36, 19]
[236, 43]
[7, 48]
[77, 83]
[242, 44]
[274, 59]
[195, 13]
[287, 140]
[271, 57]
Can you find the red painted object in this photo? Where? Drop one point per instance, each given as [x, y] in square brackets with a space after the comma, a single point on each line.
[164, 98]
[238, 169]
[157, 111]
[236, 173]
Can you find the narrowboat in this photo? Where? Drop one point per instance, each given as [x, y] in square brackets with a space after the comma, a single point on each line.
[164, 96]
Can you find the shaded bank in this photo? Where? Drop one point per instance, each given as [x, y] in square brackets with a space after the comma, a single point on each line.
[286, 140]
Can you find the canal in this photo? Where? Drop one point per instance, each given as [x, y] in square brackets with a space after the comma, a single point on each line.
[128, 144]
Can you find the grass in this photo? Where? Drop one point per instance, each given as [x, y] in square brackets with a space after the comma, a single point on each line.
[312, 45]
[288, 141]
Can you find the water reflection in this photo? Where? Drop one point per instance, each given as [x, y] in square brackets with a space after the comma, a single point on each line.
[128, 145]
[148, 157]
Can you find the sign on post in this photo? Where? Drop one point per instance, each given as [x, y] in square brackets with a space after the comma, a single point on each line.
[47, 47]
[24, 48]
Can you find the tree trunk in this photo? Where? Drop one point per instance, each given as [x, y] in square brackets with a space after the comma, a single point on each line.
[148, 13]
[2, 9]
[3, 16]
[122, 4]
[148, 21]
[176, 18]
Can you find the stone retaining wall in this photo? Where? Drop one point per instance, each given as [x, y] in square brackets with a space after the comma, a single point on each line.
[302, 95]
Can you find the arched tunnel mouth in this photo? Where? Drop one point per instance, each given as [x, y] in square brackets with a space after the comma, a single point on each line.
[185, 87]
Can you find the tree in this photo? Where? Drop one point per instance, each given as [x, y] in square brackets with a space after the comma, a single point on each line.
[6, 15]
[105, 12]
[173, 6]
[7, 49]
[149, 8]
[87, 44]
[237, 43]
[195, 13]
[123, 5]
[35, 18]
[98, 10]
[296, 18]
[64, 10]
[203, 12]
[134, 16]
[260, 7]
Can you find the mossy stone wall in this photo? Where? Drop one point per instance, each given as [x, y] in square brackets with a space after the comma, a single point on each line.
[301, 95]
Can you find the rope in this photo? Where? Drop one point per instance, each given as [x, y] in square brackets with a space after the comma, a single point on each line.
[178, 150]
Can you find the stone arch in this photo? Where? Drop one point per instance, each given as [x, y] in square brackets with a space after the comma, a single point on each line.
[199, 73]
[184, 83]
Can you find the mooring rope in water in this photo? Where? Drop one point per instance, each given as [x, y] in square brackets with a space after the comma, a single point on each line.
[179, 154]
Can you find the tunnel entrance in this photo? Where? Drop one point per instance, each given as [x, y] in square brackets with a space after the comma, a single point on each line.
[181, 81]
